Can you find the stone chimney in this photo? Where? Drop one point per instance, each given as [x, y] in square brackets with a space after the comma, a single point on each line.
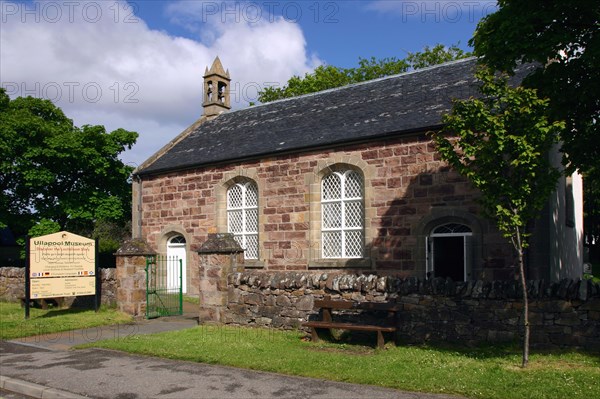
[216, 90]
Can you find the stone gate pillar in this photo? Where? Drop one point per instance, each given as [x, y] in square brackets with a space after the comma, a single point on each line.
[131, 276]
[219, 256]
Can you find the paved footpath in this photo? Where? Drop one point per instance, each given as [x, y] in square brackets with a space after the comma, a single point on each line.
[44, 367]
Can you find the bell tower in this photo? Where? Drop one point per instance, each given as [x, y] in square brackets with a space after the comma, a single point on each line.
[216, 90]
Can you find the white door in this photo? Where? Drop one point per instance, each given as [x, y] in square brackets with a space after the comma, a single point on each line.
[176, 251]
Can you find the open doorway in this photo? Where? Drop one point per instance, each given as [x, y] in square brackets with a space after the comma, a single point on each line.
[449, 252]
[176, 251]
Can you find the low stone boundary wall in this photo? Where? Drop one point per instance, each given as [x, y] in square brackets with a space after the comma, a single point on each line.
[12, 286]
[565, 314]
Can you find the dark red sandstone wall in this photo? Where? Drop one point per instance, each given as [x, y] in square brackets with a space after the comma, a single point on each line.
[404, 181]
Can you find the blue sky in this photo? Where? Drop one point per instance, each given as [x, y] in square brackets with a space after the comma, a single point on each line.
[339, 32]
[139, 64]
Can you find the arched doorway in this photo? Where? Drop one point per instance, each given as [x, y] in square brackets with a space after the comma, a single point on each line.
[176, 250]
[449, 252]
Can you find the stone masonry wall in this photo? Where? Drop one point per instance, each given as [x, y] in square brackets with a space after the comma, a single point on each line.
[565, 314]
[405, 181]
[12, 286]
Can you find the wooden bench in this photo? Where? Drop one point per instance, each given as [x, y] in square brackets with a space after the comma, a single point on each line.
[328, 305]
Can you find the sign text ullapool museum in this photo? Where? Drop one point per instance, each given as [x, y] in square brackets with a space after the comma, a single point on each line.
[62, 264]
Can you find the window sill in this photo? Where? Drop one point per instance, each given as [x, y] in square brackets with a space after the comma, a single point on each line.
[254, 264]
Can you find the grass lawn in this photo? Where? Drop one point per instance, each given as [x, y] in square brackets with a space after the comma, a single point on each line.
[13, 323]
[476, 373]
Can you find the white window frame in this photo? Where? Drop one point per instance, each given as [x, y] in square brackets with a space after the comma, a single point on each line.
[244, 235]
[343, 229]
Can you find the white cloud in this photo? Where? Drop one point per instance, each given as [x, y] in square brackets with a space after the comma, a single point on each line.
[103, 65]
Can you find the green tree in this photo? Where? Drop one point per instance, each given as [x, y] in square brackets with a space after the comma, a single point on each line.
[111, 235]
[563, 38]
[501, 142]
[44, 227]
[435, 55]
[54, 171]
[41, 228]
[327, 77]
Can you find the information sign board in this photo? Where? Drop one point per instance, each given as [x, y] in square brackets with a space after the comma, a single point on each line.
[62, 286]
[62, 264]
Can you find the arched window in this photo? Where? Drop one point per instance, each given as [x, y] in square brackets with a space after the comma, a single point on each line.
[177, 240]
[451, 229]
[242, 216]
[342, 215]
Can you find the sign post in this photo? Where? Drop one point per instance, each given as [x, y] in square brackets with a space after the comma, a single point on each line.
[27, 267]
[98, 287]
[61, 265]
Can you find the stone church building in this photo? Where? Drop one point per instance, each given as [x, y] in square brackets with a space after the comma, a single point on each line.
[344, 180]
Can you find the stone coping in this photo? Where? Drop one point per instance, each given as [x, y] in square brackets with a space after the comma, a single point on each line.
[220, 243]
[340, 282]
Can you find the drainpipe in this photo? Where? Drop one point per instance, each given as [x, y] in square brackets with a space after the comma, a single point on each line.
[136, 228]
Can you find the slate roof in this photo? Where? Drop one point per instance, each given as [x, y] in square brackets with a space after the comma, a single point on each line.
[404, 103]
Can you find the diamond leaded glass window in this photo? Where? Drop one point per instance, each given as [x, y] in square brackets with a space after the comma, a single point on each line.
[342, 215]
[242, 216]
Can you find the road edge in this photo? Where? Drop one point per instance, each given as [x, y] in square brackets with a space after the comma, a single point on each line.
[34, 390]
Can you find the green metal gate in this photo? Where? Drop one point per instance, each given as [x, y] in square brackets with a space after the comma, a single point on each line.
[164, 296]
